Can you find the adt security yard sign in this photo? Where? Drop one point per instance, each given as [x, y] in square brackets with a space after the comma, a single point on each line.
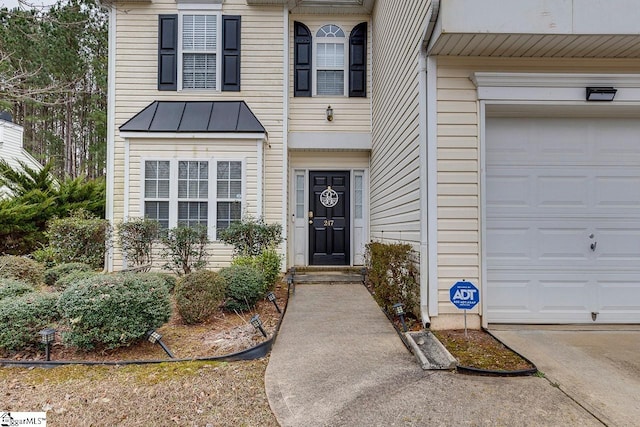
[464, 295]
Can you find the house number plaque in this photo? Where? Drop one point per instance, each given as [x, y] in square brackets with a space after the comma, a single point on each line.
[329, 198]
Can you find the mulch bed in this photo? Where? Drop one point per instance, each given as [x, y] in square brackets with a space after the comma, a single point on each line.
[224, 333]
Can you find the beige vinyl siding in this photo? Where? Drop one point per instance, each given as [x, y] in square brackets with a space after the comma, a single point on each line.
[12, 151]
[328, 160]
[398, 27]
[261, 85]
[459, 202]
[308, 114]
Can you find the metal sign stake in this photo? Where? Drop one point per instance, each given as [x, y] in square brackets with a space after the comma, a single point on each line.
[465, 325]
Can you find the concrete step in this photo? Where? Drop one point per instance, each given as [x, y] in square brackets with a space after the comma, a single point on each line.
[327, 277]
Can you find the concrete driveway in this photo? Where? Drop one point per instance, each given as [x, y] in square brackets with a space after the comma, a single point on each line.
[598, 368]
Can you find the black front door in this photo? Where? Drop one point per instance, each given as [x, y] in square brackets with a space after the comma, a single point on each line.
[329, 218]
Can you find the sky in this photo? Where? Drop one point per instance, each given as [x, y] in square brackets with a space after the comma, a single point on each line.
[10, 4]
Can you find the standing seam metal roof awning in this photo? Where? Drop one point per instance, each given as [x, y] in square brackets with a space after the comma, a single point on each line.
[195, 116]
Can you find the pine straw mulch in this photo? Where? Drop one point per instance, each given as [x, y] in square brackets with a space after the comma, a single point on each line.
[196, 393]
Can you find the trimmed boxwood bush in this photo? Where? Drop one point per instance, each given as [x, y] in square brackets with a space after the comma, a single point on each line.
[74, 277]
[245, 287]
[112, 310]
[20, 268]
[21, 318]
[199, 295]
[13, 288]
[267, 262]
[51, 275]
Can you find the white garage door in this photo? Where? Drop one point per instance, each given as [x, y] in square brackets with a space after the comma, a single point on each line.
[563, 220]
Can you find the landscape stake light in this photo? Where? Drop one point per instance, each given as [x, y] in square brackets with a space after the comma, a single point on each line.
[399, 309]
[155, 338]
[257, 323]
[272, 297]
[47, 336]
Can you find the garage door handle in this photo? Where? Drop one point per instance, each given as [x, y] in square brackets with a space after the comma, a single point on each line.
[593, 246]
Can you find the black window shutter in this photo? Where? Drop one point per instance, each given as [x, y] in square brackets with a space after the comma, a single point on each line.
[302, 60]
[231, 53]
[358, 61]
[168, 52]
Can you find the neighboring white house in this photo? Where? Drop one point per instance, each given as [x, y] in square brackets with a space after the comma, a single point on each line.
[477, 131]
[12, 149]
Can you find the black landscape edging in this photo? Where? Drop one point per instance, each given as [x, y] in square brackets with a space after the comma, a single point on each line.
[252, 353]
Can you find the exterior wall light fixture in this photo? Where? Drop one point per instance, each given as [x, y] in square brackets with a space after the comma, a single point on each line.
[399, 309]
[329, 113]
[257, 323]
[601, 93]
[155, 338]
[272, 297]
[47, 336]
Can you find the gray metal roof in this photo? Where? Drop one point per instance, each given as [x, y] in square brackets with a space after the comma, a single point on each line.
[195, 116]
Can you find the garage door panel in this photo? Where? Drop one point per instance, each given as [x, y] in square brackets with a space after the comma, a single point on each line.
[557, 191]
[564, 295]
[524, 243]
[613, 192]
[618, 246]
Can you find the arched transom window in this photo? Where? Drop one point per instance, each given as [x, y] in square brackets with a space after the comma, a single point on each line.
[330, 44]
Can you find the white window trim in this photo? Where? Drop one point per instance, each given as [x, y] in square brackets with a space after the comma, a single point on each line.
[345, 73]
[212, 198]
[201, 11]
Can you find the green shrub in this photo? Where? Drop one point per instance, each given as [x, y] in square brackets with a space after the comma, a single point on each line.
[199, 295]
[13, 288]
[45, 256]
[79, 238]
[51, 275]
[112, 310]
[168, 279]
[21, 319]
[136, 237]
[185, 248]
[245, 287]
[74, 277]
[20, 268]
[268, 263]
[393, 276]
[251, 236]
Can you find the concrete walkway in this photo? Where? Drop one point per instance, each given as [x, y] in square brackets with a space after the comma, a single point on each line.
[338, 362]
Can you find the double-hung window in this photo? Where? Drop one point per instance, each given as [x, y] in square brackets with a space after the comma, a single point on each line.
[193, 192]
[200, 50]
[330, 48]
[229, 193]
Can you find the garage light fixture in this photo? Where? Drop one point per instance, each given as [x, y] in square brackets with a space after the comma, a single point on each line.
[601, 93]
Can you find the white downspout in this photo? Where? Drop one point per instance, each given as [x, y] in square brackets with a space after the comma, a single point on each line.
[428, 175]
[285, 136]
[260, 166]
[111, 123]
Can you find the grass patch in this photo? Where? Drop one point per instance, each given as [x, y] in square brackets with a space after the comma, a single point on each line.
[481, 351]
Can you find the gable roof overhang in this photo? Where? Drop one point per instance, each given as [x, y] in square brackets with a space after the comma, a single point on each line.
[330, 7]
[537, 28]
[195, 119]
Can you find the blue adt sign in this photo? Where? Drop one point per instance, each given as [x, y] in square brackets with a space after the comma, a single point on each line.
[464, 295]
